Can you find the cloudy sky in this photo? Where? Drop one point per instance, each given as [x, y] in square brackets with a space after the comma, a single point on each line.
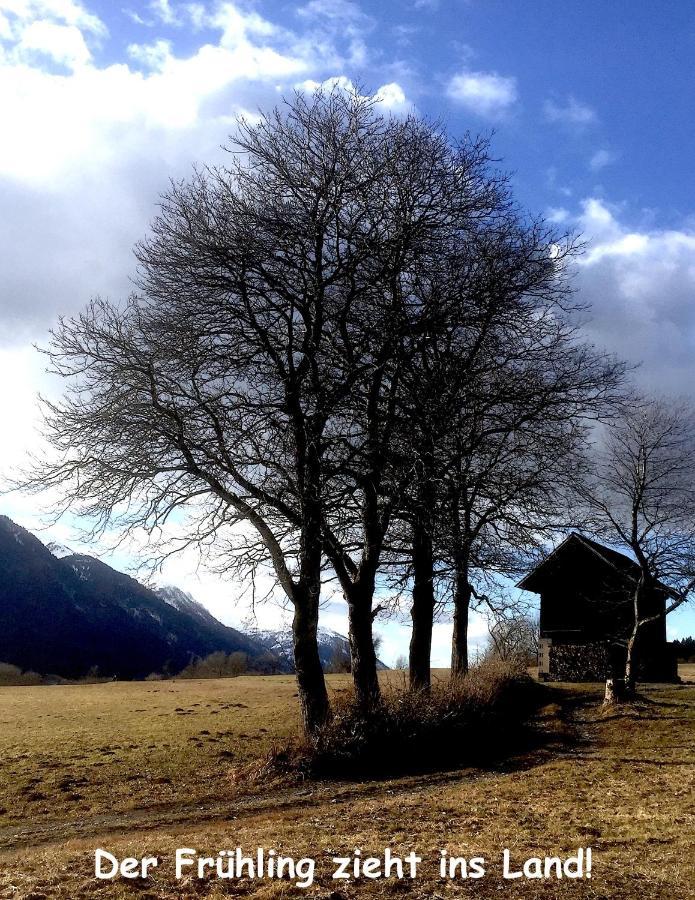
[102, 102]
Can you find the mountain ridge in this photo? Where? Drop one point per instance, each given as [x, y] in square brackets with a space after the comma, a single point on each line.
[65, 613]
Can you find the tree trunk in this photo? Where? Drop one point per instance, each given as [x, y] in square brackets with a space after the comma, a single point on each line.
[313, 696]
[630, 676]
[462, 602]
[422, 611]
[630, 664]
[615, 692]
[362, 654]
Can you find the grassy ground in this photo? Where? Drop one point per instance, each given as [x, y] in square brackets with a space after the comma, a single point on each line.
[142, 769]
[687, 672]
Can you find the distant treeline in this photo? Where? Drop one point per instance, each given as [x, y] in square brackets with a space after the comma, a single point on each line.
[685, 650]
[216, 665]
[11, 675]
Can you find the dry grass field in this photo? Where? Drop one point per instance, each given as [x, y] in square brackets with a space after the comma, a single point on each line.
[144, 768]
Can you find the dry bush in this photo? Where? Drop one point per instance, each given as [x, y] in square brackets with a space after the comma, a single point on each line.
[475, 719]
[12, 675]
[217, 665]
[155, 676]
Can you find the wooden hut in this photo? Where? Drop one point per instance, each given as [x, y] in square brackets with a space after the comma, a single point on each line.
[586, 615]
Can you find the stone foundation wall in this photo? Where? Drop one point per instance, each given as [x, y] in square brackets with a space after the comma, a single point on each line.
[578, 662]
[592, 662]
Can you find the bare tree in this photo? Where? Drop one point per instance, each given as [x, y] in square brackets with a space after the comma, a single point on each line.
[513, 462]
[513, 637]
[498, 399]
[642, 498]
[268, 311]
[439, 200]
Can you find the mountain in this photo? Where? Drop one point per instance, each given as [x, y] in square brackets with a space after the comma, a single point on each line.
[66, 614]
[332, 646]
[183, 602]
[59, 550]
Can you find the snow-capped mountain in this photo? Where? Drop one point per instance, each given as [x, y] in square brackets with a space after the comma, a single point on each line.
[184, 603]
[333, 647]
[68, 614]
[60, 551]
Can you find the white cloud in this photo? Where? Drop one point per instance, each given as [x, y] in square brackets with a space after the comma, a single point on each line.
[569, 112]
[36, 32]
[21, 367]
[334, 23]
[485, 93]
[237, 26]
[92, 113]
[64, 44]
[391, 95]
[557, 215]
[163, 11]
[334, 10]
[197, 15]
[19, 13]
[601, 159]
[153, 56]
[86, 151]
[641, 284]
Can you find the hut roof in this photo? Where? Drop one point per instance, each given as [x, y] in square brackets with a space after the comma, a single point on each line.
[615, 560]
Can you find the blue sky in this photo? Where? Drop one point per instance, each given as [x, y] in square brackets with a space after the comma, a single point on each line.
[600, 93]
[100, 103]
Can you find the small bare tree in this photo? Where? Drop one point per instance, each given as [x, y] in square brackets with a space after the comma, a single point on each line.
[513, 637]
[642, 499]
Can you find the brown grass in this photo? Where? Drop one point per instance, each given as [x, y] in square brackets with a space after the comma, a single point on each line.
[620, 782]
[687, 672]
[75, 750]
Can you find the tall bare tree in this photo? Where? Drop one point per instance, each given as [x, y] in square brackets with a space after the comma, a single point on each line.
[513, 636]
[498, 399]
[442, 199]
[268, 316]
[513, 461]
[642, 498]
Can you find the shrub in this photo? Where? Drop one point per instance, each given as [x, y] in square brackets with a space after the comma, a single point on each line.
[13, 675]
[217, 665]
[94, 676]
[474, 719]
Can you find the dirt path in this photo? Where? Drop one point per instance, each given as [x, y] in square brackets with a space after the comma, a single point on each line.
[31, 833]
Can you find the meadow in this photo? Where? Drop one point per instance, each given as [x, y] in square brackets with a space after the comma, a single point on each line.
[144, 768]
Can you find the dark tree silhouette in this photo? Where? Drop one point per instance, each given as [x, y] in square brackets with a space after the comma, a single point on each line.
[497, 400]
[268, 314]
